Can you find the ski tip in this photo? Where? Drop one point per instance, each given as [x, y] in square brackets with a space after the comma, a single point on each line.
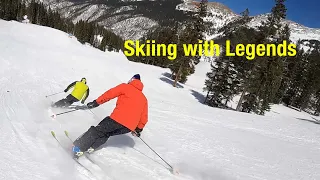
[51, 114]
[53, 134]
[67, 134]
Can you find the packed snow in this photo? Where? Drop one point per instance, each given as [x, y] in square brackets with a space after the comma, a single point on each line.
[201, 142]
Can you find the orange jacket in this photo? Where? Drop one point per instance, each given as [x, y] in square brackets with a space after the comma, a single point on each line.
[132, 106]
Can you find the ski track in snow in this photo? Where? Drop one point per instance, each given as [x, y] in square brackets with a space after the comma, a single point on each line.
[203, 143]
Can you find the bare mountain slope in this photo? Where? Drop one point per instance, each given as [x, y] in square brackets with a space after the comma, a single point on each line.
[131, 19]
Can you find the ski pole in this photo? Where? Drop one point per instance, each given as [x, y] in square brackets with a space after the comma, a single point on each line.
[64, 112]
[54, 94]
[92, 112]
[156, 153]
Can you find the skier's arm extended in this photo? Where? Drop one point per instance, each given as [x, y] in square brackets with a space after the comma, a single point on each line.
[70, 86]
[110, 94]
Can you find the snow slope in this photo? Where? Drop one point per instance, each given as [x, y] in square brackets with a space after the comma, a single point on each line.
[203, 143]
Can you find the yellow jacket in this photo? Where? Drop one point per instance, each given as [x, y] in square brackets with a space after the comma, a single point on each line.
[80, 91]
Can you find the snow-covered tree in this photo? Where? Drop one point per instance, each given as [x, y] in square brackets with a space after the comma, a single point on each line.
[25, 19]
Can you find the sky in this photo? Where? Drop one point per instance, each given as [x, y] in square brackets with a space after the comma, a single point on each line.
[305, 12]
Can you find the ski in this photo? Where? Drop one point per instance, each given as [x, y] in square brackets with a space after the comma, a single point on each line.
[67, 151]
[69, 109]
[86, 156]
[51, 114]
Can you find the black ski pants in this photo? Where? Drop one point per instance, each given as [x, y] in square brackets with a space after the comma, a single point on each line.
[98, 135]
[66, 101]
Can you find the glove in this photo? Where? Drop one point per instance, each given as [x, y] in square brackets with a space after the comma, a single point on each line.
[92, 104]
[136, 132]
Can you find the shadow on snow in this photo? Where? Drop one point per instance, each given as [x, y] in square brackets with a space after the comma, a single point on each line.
[167, 79]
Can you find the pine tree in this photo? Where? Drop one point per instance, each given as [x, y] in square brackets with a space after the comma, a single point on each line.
[228, 75]
[245, 13]
[2, 9]
[198, 19]
[22, 10]
[270, 27]
[311, 80]
[266, 75]
[222, 82]
[191, 34]
[316, 105]
[183, 65]
[284, 35]
[162, 36]
[297, 67]
[232, 26]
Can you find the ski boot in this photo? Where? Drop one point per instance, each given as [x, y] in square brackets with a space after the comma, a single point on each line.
[90, 150]
[76, 152]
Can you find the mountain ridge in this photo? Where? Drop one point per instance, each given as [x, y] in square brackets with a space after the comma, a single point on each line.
[132, 19]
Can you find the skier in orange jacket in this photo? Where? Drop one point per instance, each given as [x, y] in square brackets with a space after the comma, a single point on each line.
[129, 115]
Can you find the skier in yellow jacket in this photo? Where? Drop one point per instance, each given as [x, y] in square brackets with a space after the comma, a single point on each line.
[80, 92]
